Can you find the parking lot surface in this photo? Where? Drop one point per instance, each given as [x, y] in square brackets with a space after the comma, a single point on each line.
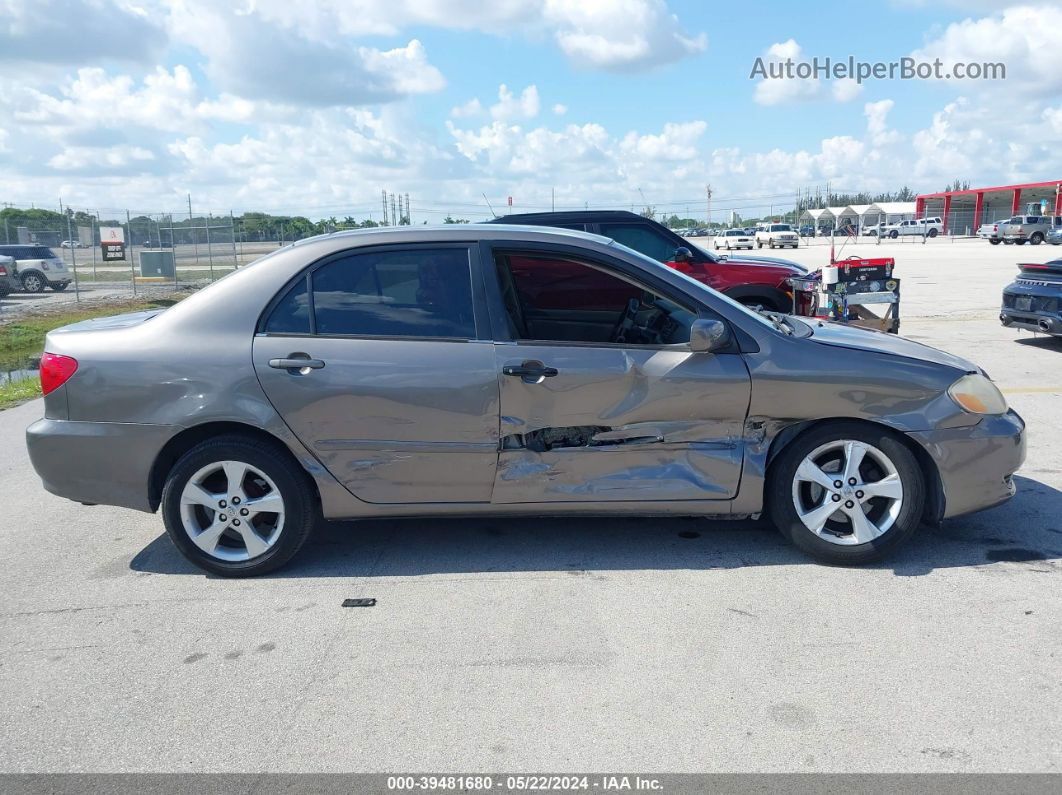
[573, 644]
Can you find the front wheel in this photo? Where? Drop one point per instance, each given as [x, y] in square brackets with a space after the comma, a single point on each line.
[33, 282]
[1036, 239]
[932, 232]
[846, 493]
[238, 507]
[995, 241]
[59, 286]
[894, 234]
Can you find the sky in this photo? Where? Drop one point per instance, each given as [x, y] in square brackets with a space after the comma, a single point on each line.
[314, 108]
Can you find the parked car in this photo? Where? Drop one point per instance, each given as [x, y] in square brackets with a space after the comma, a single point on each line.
[929, 227]
[38, 267]
[984, 231]
[754, 281]
[732, 238]
[999, 230]
[1054, 235]
[71, 244]
[807, 230]
[1033, 301]
[542, 372]
[773, 235]
[8, 279]
[1029, 229]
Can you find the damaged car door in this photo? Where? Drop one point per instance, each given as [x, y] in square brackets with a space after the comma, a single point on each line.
[602, 398]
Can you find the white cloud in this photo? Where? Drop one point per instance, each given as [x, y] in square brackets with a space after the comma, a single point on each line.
[98, 159]
[470, 108]
[777, 90]
[1024, 38]
[526, 106]
[559, 109]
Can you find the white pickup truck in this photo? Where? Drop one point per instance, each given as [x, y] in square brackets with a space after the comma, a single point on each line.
[774, 235]
[930, 227]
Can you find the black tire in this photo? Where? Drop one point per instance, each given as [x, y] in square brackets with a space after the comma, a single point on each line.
[995, 241]
[1036, 239]
[894, 234]
[33, 282]
[783, 513]
[301, 505]
[932, 232]
[1008, 242]
[59, 286]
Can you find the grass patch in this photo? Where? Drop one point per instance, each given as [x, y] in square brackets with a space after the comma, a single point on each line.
[23, 337]
[19, 392]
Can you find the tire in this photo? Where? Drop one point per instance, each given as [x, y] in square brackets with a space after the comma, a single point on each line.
[59, 286]
[759, 244]
[894, 234]
[837, 543]
[279, 536]
[1008, 242]
[932, 233]
[33, 282]
[1036, 239]
[995, 241]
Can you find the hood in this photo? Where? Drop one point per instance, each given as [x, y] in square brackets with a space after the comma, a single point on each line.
[111, 322]
[842, 336]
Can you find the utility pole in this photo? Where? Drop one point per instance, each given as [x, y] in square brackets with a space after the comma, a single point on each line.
[409, 216]
[73, 258]
[708, 191]
[191, 226]
[383, 198]
[553, 200]
[129, 248]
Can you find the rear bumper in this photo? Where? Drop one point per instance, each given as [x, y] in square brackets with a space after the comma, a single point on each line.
[98, 462]
[976, 464]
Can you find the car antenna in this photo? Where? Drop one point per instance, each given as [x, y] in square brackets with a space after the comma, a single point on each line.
[484, 195]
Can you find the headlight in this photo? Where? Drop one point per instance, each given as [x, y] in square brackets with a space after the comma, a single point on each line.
[976, 394]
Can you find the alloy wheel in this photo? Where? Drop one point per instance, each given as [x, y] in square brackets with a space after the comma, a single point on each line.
[232, 511]
[847, 492]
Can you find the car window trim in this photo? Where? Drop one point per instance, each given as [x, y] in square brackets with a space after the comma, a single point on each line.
[479, 310]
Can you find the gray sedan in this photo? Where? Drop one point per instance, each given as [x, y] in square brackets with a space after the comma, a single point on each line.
[496, 369]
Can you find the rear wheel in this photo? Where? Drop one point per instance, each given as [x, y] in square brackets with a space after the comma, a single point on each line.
[238, 507]
[1036, 239]
[894, 234]
[59, 286]
[33, 282]
[932, 233]
[846, 493]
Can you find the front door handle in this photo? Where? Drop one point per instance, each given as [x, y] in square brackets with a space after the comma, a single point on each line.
[297, 363]
[532, 372]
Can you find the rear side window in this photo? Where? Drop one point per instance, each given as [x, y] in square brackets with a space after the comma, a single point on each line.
[292, 314]
[643, 239]
[416, 293]
[27, 252]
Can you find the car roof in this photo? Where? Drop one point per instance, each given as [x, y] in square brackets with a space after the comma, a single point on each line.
[443, 232]
[573, 216]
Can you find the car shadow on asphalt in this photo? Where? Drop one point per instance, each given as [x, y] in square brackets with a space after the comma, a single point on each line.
[1045, 341]
[1026, 531]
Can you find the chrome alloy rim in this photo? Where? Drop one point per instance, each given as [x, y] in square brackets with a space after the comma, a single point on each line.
[847, 492]
[232, 511]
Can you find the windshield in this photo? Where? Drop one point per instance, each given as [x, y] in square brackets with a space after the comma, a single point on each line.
[780, 228]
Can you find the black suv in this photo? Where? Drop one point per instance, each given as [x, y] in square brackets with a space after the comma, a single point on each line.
[1033, 301]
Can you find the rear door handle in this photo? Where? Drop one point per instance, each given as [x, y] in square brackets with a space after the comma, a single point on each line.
[296, 362]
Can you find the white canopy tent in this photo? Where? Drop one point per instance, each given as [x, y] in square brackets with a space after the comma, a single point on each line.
[889, 212]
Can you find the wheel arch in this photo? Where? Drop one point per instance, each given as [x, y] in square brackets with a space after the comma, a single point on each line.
[779, 299]
[933, 511]
[188, 438]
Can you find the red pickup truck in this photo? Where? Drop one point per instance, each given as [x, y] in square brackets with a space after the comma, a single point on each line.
[752, 280]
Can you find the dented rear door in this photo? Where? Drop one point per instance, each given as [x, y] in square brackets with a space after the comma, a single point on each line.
[618, 424]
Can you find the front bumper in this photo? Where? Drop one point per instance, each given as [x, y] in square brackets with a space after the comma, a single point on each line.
[108, 463]
[976, 463]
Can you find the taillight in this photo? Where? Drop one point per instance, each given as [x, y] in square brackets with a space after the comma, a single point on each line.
[55, 371]
[3, 271]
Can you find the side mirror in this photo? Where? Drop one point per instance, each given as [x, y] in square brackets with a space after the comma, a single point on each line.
[682, 254]
[708, 336]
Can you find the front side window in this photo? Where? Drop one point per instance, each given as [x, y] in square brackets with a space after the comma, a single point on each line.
[564, 299]
[413, 293]
[643, 239]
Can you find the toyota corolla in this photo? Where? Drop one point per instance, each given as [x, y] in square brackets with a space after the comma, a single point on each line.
[508, 370]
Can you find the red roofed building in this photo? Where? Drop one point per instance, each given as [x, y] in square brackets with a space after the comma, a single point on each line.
[965, 210]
